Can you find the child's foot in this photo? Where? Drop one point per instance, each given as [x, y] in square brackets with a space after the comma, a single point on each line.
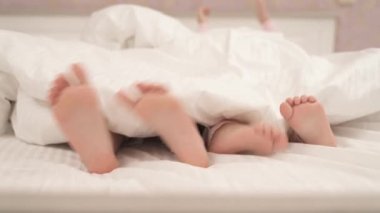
[166, 116]
[78, 113]
[307, 118]
[259, 139]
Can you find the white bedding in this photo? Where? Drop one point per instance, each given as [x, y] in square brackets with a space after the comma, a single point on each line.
[224, 74]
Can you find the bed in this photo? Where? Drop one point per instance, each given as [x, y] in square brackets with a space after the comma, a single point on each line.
[304, 178]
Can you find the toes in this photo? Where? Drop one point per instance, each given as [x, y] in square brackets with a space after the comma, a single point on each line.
[132, 95]
[60, 81]
[58, 85]
[150, 87]
[145, 87]
[290, 101]
[125, 99]
[261, 129]
[300, 100]
[304, 99]
[286, 110]
[53, 96]
[297, 100]
[75, 75]
[80, 73]
[265, 145]
[312, 99]
[266, 130]
[129, 96]
[281, 141]
[278, 138]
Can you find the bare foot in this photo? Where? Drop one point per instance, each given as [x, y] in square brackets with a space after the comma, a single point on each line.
[259, 139]
[164, 114]
[307, 118]
[78, 113]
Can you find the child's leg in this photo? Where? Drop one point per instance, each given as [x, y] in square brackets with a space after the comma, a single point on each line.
[308, 119]
[77, 111]
[166, 116]
[261, 139]
[263, 15]
[202, 18]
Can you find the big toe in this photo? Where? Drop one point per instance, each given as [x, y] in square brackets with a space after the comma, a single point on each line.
[286, 110]
[59, 84]
[80, 73]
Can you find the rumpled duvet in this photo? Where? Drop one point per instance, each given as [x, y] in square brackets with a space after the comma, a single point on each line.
[222, 74]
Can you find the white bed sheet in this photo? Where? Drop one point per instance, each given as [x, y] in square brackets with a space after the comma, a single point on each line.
[149, 168]
[305, 178]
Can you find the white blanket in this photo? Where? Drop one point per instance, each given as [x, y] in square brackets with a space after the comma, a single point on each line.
[236, 73]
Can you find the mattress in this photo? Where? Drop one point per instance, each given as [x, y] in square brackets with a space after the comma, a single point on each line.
[324, 177]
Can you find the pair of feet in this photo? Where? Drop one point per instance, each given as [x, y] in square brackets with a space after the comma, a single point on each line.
[77, 110]
[304, 115]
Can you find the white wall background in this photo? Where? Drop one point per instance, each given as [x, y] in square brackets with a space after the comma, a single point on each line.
[357, 22]
[316, 35]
